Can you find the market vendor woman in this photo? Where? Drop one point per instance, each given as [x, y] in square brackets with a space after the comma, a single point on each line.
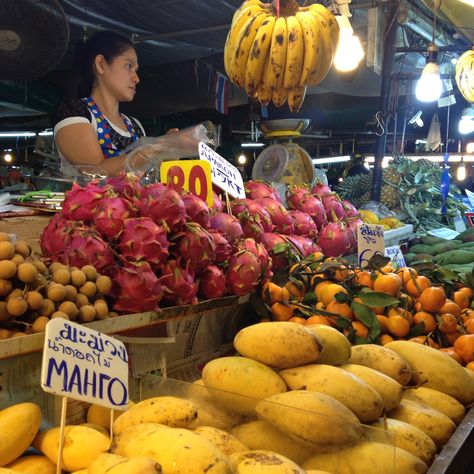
[90, 131]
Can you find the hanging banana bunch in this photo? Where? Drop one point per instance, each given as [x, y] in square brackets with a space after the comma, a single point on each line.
[465, 75]
[276, 57]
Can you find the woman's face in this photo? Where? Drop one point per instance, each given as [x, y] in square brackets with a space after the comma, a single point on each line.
[120, 75]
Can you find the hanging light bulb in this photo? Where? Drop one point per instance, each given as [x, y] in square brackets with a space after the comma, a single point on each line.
[429, 86]
[461, 172]
[466, 123]
[349, 51]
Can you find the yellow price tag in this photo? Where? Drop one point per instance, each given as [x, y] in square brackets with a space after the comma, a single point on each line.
[191, 175]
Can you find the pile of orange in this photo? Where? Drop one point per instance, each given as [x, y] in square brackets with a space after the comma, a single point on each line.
[424, 309]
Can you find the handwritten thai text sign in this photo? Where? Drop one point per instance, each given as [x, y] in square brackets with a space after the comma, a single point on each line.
[370, 242]
[395, 255]
[224, 175]
[84, 364]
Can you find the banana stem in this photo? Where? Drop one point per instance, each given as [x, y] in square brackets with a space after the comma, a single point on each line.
[285, 7]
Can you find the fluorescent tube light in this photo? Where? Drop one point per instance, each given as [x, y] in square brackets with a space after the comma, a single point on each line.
[331, 159]
[252, 145]
[17, 134]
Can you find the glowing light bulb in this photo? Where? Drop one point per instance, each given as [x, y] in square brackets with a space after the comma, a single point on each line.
[466, 124]
[241, 159]
[470, 147]
[349, 51]
[461, 172]
[8, 157]
[429, 86]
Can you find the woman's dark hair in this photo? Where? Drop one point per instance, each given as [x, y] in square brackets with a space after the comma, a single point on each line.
[107, 43]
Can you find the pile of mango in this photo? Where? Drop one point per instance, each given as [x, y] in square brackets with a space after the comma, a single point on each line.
[307, 402]
[370, 217]
[377, 305]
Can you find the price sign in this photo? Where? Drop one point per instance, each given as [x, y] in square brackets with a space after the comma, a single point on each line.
[84, 364]
[459, 224]
[444, 233]
[395, 255]
[370, 242]
[224, 175]
[192, 175]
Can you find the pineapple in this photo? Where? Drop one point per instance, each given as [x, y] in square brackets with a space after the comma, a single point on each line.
[353, 188]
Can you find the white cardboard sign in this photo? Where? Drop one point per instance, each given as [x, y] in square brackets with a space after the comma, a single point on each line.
[395, 255]
[224, 175]
[84, 364]
[444, 233]
[370, 242]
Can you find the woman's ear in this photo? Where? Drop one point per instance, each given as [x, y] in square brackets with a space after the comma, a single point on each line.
[99, 64]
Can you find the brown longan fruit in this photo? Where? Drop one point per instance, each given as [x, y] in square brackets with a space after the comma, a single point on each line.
[59, 314]
[39, 324]
[4, 237]
[17, 259]
[87, 313]
[78, 278]
[7, 269]
[4, 316]
[17, 306]
[62, 276]
[56, 266]
[22, 248]
[7, 250]
[104, 284]
[81, 300]
[90, 271]
[71, 293]
[113, 314]
[47, 307]
[27, 272]
[34, 299]
[16, 293]
[5, 334]
[88, 288]
[40, 266]
[69, 308]
[56, 292]
[101, 309]
[6, 286]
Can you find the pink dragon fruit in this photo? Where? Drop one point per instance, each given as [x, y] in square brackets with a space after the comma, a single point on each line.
[227, 225]
[165, 206]
[294, 194]
[196, 246]
[254, 208]
[279, 250]
[261, 253]
[196, 209]
[217, 204]
[321, 189]
[179, 284]
[313, 206]
[128, 186]
[334, 209]
[304, 245]
[79, 203]
[143, 239]
[56, 236]
[251, 225]
[110, 214]
[260, 189]
[350, 210]
[281, 219]
[223, 248]
[137, 288]
[303, 224]
[86, 247]
[243, 273]
[334, 239]
[212, 283]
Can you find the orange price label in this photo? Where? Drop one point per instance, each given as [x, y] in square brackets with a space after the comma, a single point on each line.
[191, 175]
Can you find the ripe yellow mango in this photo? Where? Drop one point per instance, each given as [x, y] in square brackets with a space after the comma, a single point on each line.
[99, 415]
[432, 422]
[389, 389]
[241, 382]
[336, 346]
[382, 359]
[435, 369]
[34, 464]
[19, 425]
[226, 443]
[113, 464]
[311, 417]
[292, 345]
[340, 384]
[263, 461]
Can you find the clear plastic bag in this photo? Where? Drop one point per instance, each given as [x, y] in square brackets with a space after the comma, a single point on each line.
[378, 208]
[146, 154]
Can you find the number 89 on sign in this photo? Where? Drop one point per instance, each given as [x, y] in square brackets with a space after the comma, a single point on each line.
[191, 175]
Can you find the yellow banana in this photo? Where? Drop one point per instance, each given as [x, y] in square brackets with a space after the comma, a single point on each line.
[264, 94]
[279, 96]
[258, 54]
[313, 51]
[294, 53]
[295, 98]
[276, 69]
[331, 21]
[327, 54]
[240, 18]
[242, 50]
